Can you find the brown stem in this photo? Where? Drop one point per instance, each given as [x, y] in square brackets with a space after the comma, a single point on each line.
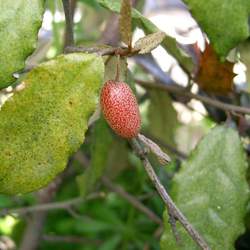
[70, 239]
[102, 51]
[46, 206]
[32, 233]
[132, 200]
[117, 75]
[68, 6]
[183, 91]
[172, 208]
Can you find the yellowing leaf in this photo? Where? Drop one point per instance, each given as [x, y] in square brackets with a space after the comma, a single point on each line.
[42, 125]
[19, 24]
[149, 42]
[125, 22]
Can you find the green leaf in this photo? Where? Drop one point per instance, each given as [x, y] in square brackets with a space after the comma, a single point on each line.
[42, 125]
[168, 43]
[112, 243]
[212, 191]
[149, 42]
[118, 158]
[19, 24]
[162, 117]
[91, 3]
[102, 140]
[125, 22]
[225, 22]
[110, 68]
[125, 74]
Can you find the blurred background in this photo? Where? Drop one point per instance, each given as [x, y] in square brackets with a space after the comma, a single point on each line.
[122, 210]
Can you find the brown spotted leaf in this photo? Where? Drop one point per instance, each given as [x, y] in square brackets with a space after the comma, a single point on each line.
[149, 42]
[125, 22]
[214, 76]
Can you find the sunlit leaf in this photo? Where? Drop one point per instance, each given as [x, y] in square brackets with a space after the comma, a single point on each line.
[42, 125]
[19, 24]
[212, 191]
[225, 22]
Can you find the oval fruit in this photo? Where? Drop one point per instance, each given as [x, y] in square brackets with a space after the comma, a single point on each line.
[120, 109]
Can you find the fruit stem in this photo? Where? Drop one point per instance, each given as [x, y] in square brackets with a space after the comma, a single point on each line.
[117, 76]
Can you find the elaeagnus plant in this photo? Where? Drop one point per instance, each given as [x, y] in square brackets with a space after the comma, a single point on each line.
[52, 105]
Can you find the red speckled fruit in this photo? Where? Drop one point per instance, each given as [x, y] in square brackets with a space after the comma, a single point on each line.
[120, 109]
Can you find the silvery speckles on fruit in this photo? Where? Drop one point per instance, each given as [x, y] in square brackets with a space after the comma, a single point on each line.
[120, 108]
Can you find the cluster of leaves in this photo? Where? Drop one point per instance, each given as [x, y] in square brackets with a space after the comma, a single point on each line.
[45, 122]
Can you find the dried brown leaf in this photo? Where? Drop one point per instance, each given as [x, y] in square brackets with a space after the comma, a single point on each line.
[214, 76]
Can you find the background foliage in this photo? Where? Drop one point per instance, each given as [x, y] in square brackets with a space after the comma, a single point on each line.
[105, 198]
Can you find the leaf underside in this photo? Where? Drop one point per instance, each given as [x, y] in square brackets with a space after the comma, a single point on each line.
[168, 43]
[149, 42]
[125, 22]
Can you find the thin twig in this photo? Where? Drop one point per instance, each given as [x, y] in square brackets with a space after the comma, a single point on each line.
[32, 234]
[172, 222]
[183, 91]
[109, 51]
[172, 208]
[173, 88]
[69, 36]
[120, 191]
[50, 206]
[70, 239]
[132, 200]
[118, 63]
